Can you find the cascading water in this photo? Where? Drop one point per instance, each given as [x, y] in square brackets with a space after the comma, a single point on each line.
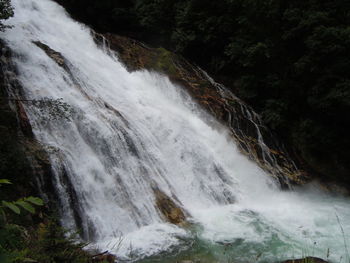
[131, 133]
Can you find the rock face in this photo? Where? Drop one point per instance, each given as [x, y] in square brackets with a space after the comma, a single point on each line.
[169, 209]
[306, 260]
[24, 122]
[56, 56]
[24, 160]
[253, 138]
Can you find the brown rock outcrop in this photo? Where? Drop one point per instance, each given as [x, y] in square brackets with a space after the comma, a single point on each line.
[169, 209]
[24, 122]
[56, 56]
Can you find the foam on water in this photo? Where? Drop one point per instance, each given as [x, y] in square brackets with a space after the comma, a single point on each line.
[133, 132]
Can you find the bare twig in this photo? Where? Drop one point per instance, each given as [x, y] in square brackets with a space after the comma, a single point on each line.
[343, 233]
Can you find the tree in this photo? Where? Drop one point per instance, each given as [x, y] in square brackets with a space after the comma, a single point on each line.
[6, 11]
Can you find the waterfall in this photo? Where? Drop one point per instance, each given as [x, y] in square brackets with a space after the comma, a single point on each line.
[128, 134]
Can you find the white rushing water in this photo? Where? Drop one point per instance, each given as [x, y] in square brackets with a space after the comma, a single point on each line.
[133, 132]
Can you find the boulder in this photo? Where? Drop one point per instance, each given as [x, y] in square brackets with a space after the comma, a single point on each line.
[306, 260]
[104, 257]
[169, 209]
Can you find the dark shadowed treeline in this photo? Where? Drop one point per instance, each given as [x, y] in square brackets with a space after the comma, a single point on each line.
[290, 59]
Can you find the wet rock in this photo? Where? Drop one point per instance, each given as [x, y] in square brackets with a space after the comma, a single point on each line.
[306, 260]
[62, 62]
[26, 127]
[56, 56]
[169, 209]
[104, 258]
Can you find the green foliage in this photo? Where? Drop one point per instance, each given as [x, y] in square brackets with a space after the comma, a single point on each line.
[46, 243]
[4, 181]
[6, 11]
[12, 235]
[16, 206]
[105, 14]
[163, 62]
[11, 205]
[51, 243]
[11, 242]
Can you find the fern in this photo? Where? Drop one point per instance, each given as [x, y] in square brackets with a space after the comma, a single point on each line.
[26, 203]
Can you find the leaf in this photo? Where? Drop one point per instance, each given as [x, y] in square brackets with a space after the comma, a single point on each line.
[11, 206]
[4, 181]
[27, 206]
[35, 200]
[2, 215]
